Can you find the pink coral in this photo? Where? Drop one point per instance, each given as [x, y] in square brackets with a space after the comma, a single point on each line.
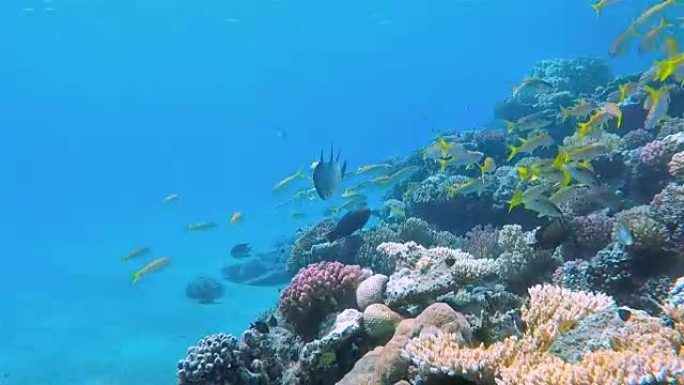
[676, 165]
[316, 291]
[653, 154]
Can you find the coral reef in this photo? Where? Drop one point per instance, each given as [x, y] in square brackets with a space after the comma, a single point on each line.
[204, 290]
[569, 339]
[212, 361]
[519, 262]
[317, 291]
[426, 273]
[371, 291]
[301, 256]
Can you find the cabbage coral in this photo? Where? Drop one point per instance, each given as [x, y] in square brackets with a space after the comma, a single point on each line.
[640, 350]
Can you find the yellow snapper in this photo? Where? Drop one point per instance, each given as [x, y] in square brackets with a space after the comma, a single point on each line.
[541, 139]
[488, 166]
[135, 253]
[469, 186]
[669, 66]
[585, 152]
[543, 207]
[531, 193]
[615, 111]
[201, 226]
[566, 193]
[287, 180]
[534, 121]
[650, 40]
[372, 168]
[532, 85]
[595, 122]
[578, 111]
[171, 198]
[657, 103]
[598, 6]
[155, 265]
[622, 42]
[654, 10]
[626, 90]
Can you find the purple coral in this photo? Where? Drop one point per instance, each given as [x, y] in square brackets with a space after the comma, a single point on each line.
[668, 207]
[653, 154]
[637, 138]
[211, 362]
[318, 290]
[592, 232]
[204, 290]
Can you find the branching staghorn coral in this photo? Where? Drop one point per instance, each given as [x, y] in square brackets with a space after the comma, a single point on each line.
[641, 350]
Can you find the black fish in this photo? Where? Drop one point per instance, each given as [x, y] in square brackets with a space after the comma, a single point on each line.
[552, 234]
[272, 321]
[260, 326]
[241, 250]
[328, 175]
[624, 314]
[350, 222]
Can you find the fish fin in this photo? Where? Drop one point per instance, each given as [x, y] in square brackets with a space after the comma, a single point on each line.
[516, 200]
[567, 177]
[337, 159]
[135, 277]
[514, 151]
[321, 161]
[597, 8]
[565, 113]
[344, 168]
[331, 152]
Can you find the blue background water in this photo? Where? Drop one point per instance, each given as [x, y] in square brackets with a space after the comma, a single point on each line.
[108, 106]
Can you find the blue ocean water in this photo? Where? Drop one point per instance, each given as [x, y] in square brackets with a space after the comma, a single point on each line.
[106, 107]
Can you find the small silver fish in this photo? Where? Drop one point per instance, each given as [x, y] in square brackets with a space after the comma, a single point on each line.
[623, 233]
[327, 176]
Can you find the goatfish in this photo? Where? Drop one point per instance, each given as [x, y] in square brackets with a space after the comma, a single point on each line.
[532, 85]
[287, 180]
[626, 90]
[135, 253]
[520, 197]
[657, 103]
[155, 265]
[236, 217]
[578, 111]
[530, 172]
[531, 122]
[201, 226]
[371, 168]
[654, 10]
[403, 173]
[598, 6]
[622, 41]
[171, 198]
[650, 40]
[468, 186]
[541, 139]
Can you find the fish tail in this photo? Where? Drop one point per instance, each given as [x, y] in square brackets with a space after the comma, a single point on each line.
[583, 130]
[597, 8]
[135, 277]
[565, 113]
[514, 151]
[516, 200]
[510, 126]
